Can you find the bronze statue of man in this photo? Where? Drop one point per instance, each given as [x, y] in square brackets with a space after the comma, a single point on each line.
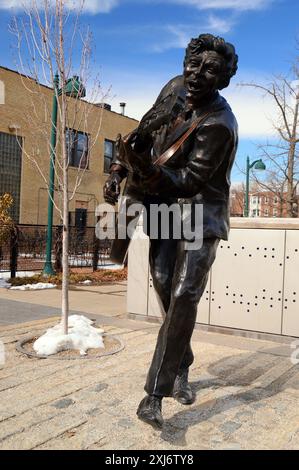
[200, 174]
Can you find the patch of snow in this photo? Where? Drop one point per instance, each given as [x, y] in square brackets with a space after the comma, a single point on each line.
[111, 266]
[38, 286]
[4, 284]
[81, 335]
[6, 274]
[87, 282]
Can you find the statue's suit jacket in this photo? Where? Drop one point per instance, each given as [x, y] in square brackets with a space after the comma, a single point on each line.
[200, 170]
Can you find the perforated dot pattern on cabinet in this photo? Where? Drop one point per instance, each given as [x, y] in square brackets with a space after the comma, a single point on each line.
[247, 279]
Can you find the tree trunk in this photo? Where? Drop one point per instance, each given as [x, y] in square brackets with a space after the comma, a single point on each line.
[290, 183]
[65, 263]
[291, 162]
[65, 235]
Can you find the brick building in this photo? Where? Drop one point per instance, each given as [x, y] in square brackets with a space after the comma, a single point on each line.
[268, 204]
[19, 175]
[261, 204]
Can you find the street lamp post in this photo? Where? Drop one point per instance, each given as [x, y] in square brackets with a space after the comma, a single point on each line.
[74, 88]
[257, 165]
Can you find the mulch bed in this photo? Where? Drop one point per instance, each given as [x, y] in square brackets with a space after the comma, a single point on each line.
[102, 276]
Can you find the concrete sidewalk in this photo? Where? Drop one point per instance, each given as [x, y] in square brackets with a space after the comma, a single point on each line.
[247, 394]
[23, 306]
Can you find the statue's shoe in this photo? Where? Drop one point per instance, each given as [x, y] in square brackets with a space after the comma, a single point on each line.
[182, 390]
[150, 411]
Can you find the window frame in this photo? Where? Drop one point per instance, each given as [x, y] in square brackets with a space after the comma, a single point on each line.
[106, 156]
[11, 169]
[74, 148]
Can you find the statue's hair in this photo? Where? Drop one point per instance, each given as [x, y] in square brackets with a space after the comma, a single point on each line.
[208, 42]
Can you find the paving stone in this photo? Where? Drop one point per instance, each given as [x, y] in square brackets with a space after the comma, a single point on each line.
[230, 426]
[125, 423]
[94, 412]
[64, 403]
[100, 387]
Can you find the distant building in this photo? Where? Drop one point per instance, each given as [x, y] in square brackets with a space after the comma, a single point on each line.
[268, 204]
[261, 204]
[20, 177]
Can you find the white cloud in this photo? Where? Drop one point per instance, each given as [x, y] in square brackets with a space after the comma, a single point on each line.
[105, 6]
[253, 111]
[178, 35]
[90, 6]
[219, 25]
[99, 6]
[237, 5]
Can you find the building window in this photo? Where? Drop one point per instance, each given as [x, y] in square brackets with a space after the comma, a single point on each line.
[10, 170]
[266, 200]
[77, 148]
[266, 212]
[275, 200]
[274, 212]
[108, 154]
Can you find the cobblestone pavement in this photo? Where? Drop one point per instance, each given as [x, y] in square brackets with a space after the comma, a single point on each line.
[247, 396]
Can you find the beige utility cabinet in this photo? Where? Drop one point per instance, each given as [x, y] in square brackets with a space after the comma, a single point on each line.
[253, 284]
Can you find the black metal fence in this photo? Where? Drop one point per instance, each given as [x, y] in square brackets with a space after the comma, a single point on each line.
[25, 249]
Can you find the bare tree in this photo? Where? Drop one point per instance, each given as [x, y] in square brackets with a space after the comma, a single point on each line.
[276, 181]
[282, 157]
[237, 198]
[50, 41]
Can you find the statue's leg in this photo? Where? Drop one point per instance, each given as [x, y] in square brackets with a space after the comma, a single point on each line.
[162, 258]
[188, 284]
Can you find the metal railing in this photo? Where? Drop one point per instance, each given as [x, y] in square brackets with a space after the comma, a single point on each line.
[25, 249]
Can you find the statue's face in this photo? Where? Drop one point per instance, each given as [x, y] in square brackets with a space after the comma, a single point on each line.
[202, 75]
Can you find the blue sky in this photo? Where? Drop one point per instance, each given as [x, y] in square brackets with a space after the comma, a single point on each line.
[139, 45]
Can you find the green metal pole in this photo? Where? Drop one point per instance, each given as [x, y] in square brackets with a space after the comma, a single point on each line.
[246, 211]
[48, 269]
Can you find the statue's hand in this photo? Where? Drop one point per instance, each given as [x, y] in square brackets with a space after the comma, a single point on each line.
[111, 188]
[139, 162]
[124, 149]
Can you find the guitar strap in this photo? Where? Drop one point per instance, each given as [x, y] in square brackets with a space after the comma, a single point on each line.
[175, 147]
